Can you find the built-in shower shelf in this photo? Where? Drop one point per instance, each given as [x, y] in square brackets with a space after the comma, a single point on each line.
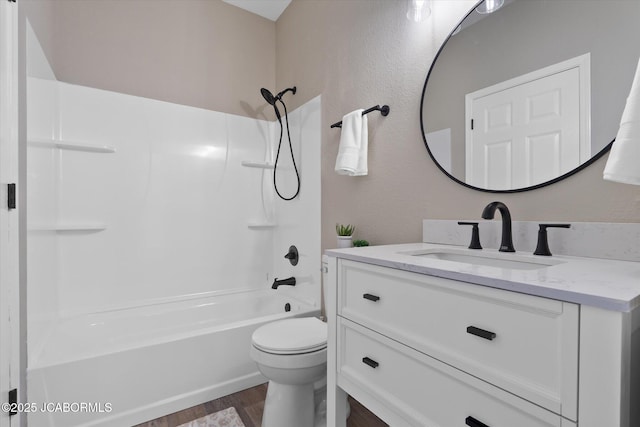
[61, 227]
[69, 145]
[261, 225]
[259, 165]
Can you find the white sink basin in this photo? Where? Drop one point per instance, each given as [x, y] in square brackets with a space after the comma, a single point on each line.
[490, 259]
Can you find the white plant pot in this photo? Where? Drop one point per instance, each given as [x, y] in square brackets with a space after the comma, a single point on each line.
[345, 241]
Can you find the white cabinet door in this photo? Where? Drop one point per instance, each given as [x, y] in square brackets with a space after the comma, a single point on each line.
[526, 131]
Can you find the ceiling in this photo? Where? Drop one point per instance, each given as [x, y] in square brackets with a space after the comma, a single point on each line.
[270, 9]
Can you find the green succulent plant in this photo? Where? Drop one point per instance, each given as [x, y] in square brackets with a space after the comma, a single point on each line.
[345, 230]
[360, 242]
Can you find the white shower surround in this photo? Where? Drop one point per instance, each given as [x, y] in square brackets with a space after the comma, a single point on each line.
[174, 200]
[162, 211]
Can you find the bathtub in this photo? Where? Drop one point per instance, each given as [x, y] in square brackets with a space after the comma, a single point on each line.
[127, 366]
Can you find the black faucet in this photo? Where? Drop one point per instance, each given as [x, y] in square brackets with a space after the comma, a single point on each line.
[291, 281]
[488, 213]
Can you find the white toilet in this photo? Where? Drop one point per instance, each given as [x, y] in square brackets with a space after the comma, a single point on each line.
[292, 354]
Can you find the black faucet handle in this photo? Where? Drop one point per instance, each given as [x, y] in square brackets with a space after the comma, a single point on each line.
[292, 255]
[543, 243]
[475, 234]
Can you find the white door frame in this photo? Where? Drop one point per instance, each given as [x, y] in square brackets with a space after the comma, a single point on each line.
[10, 314]
[582, 63]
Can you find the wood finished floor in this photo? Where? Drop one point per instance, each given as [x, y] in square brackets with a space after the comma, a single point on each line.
[249, 404]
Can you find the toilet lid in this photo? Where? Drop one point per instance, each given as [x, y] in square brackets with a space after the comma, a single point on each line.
[291, 336]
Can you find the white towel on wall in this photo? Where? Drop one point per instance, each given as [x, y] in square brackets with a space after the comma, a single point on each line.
[354, 145]
[623, 164]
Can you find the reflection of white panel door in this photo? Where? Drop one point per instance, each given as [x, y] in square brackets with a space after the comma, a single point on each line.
[527, 132]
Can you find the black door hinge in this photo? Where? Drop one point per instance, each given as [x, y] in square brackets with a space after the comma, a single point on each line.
[13, 402]
[11, 196]
[12, 1]
[471, 124]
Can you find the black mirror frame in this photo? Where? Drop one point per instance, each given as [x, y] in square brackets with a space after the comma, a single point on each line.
[486, 190]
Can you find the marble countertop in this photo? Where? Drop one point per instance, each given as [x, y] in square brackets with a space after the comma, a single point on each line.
[607, 284]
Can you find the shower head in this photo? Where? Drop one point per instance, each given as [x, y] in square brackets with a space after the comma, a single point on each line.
[273, 100]
[268, 96]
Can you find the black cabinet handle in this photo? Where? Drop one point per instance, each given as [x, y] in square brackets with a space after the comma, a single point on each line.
[487, 335]
[472, 422]
[370, 362]
[371, 297]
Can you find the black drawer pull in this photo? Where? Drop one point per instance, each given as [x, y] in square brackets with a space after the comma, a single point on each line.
[487, 335]
[472, 422]
[370, 362]
[371, 297]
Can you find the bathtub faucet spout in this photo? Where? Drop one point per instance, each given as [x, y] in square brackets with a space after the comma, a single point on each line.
[291, 281]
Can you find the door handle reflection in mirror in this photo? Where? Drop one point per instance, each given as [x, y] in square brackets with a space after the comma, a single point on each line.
[370, 362]
[371, 297]
[472, 422]
[482, 333]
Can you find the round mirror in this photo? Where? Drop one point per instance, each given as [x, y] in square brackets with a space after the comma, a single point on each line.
[530, 93]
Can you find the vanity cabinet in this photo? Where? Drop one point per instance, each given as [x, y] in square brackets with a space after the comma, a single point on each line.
[420, 350]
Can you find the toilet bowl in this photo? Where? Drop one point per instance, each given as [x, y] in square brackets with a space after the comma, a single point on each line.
[292, 355]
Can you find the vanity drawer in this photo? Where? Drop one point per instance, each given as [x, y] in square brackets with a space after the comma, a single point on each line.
[421, 391]
[524, 344]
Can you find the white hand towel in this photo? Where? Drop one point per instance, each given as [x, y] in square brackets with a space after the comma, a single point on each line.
[354, 145]
[623, 164]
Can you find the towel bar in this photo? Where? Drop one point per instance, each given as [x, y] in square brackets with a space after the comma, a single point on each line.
[384, 110]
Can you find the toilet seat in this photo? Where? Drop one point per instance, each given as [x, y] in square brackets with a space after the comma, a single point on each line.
[291, 336]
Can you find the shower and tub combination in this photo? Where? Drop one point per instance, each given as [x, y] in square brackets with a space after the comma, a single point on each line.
[154, 236]
[141, 363]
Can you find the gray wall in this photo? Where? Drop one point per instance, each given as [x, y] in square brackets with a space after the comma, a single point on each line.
[528, 35]
[203, 53]
[359, 53]
[355, 54]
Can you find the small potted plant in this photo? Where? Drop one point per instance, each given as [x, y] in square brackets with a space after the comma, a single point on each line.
[345, 234]
[360, 242]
